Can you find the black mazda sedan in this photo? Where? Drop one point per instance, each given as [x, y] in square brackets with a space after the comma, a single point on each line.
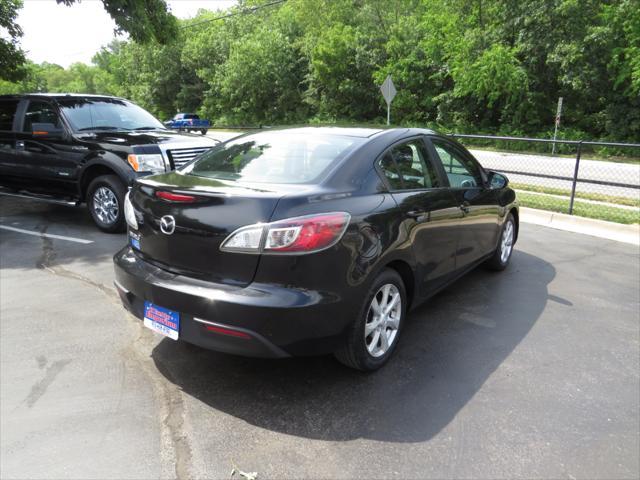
[310, 241]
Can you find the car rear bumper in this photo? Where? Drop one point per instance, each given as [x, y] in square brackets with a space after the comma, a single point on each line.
[259, 320]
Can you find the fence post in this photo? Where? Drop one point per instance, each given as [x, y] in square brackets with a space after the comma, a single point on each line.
[575, 178]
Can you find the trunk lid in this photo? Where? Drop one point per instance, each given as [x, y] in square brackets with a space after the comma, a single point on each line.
[193, 248]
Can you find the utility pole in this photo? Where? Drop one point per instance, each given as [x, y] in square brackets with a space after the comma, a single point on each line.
[555, 132]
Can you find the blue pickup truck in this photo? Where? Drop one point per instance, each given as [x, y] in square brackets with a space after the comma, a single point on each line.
[187, 122]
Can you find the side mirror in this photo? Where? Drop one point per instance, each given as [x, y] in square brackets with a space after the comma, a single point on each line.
[46, 130]
[497, 181]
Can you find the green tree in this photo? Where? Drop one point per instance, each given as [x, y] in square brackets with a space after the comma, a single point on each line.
[260, 81]
[11, 57]
[494, 66]
[143, 20]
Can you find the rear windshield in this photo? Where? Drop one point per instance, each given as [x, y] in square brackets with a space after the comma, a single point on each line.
[274, 157]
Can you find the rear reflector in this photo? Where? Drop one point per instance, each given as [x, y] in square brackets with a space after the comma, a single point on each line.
[175, 197]
[227, 331]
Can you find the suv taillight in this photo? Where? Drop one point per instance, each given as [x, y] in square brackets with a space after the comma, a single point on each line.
[297, 235]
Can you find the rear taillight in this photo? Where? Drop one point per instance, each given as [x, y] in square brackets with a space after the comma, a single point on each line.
[298, 235]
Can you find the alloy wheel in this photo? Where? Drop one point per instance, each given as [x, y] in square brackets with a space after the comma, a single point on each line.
[507, 242]
[105, 205]
[383, 320]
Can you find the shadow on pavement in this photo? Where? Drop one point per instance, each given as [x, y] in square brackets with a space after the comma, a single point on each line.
[18, 248]
[449, 348]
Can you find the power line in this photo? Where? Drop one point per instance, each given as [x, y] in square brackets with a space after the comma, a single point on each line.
[241, 12]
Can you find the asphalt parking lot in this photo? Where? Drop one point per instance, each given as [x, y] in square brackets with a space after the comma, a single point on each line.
[530, 373]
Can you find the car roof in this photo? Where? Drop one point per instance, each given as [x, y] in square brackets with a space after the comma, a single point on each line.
[382, 134]
[339, 131]
[361, 132]
[56, 96]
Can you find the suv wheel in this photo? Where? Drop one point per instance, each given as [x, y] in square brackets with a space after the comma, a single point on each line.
[374, 335]
[105, 201]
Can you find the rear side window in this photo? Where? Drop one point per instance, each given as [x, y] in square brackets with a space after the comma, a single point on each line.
[7, 114]
[40, 112]
[407, 167]
[274, 157]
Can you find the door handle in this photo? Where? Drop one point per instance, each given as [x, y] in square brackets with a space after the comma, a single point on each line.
[465, 207]
[19, 145]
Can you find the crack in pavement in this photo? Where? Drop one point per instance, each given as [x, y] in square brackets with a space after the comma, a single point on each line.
[175, 447]
[40, 387]
[175, 455]
[46, 262]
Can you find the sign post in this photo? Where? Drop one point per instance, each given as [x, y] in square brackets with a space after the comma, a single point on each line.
[555, 132]
[389, 91]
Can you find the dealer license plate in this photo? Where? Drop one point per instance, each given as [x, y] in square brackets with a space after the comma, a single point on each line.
[162, 320]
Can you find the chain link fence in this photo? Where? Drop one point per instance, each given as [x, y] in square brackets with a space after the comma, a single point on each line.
[590, 179]
[578, 180]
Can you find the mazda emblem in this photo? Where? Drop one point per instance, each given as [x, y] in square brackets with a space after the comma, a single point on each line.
[167, 224]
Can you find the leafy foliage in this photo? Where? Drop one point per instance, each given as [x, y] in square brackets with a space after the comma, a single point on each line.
[143, 20]
[492, 66]
[11, 57]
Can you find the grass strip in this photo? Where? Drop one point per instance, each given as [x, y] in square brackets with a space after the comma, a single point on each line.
[581, 209]
[630, 202]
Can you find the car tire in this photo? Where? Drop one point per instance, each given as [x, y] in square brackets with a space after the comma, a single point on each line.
[105, 201]
[500, 259]
[364, 348]
[203, 131]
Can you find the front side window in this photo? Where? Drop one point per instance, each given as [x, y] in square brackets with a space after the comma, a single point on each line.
[86, 114]
[40, 112]
[274, 157]
[7, 114]
[461, 172]
[407, 167]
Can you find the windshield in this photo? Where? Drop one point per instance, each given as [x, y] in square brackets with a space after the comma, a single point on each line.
[274, 157]
[86, 114]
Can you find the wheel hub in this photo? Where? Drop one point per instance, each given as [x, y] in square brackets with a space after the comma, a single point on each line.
[105, 205]
[506, 244]
[383, 320]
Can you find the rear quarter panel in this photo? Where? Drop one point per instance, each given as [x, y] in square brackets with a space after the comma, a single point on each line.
[344, 272]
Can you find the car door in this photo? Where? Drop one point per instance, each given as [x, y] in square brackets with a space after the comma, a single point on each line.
[47, 158]
[467, 181]
[8, 112]
[429, 211]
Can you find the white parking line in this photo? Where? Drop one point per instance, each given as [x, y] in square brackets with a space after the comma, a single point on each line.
[48, 235]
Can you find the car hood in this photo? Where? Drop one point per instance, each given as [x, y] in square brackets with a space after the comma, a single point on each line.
[152, 137]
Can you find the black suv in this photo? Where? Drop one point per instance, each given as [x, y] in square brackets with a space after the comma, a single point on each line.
[85, 148]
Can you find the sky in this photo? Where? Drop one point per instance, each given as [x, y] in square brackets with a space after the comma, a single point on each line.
[58, 34]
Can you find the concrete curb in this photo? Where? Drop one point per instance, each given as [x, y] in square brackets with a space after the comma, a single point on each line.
[586, 226]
